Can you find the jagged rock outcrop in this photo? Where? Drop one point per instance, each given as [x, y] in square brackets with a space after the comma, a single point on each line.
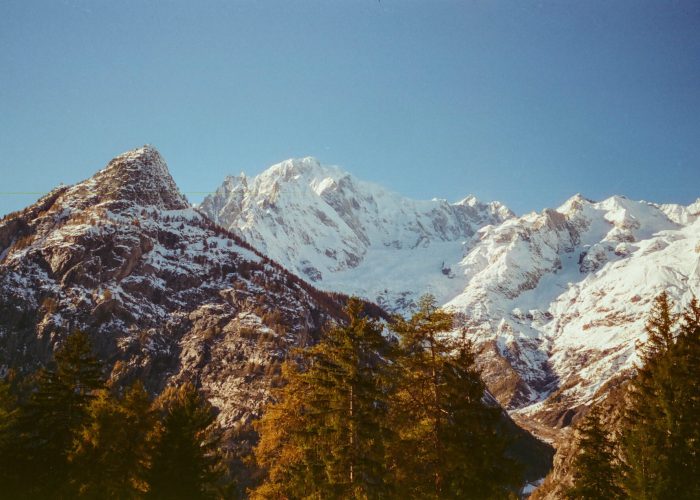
[342, 233]
[165, 294]
[555, 301]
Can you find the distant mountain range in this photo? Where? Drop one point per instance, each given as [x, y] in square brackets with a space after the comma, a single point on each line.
[168, 296]
[555, 300]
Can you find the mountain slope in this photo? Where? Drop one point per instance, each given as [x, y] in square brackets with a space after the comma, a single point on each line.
[164, 293]
[349, 235]
[555, 300]
[564, 294]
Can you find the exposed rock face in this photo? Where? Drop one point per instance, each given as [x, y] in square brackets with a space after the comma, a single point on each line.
[138, 177]
[165, 294]
[611, 398]
[345, 234]
[555, 300]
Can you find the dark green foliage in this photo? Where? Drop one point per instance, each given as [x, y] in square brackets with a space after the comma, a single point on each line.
[660, 437]
[643, 440]
[111, 453]
[596, 470]
[475, 436]
[185, 462]
[325, 436]
[451, 442]
[71, 437]
[682, 419]
[659, 330]
[50, 420]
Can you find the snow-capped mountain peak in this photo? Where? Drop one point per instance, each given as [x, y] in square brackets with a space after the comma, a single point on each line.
[544, 293]
[163, 292]
[336, 230]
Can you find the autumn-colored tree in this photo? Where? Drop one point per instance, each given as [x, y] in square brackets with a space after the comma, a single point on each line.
[451, 442]
[325, 435]
[111, 452]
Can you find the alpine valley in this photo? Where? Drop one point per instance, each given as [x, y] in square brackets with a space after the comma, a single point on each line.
[168, 296]
[556, 301]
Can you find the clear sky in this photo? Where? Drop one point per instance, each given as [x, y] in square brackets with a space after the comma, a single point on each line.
[526, 102]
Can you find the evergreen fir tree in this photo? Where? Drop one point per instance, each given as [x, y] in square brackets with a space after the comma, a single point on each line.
[325, 435]
[659, 329]
[456, 450]
[660, 434]
[644, 443]
[111, 452]
[185, 461]
[475, 439]
[53, 416]
[596, 473]
[683, 418]
[9, 413]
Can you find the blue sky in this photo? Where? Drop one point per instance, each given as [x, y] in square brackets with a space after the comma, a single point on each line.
[523, 102]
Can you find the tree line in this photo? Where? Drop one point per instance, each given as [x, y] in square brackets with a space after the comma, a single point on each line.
[364, 413]
[655, 452]
[362, 416]
[65, 433]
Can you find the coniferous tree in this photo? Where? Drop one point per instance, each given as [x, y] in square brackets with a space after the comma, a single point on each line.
[643, 440]
[475, 437]
[659, 329]
[683, 418]
[50, 420]
[185, 461]
[9, 413]
[286, 450]
[325, 435]
[450, 444]
[595, 470]
[660, 444]
[111, 452]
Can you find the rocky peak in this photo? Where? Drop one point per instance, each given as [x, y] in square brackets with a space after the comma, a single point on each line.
[293, 169]
[575, 204]
[470, 200]
[165, 294]
[139, 176]
[495, 209]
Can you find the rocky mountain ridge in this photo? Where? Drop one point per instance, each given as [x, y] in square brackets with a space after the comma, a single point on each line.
[555, 300]
[165, 294]
[337, 231]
